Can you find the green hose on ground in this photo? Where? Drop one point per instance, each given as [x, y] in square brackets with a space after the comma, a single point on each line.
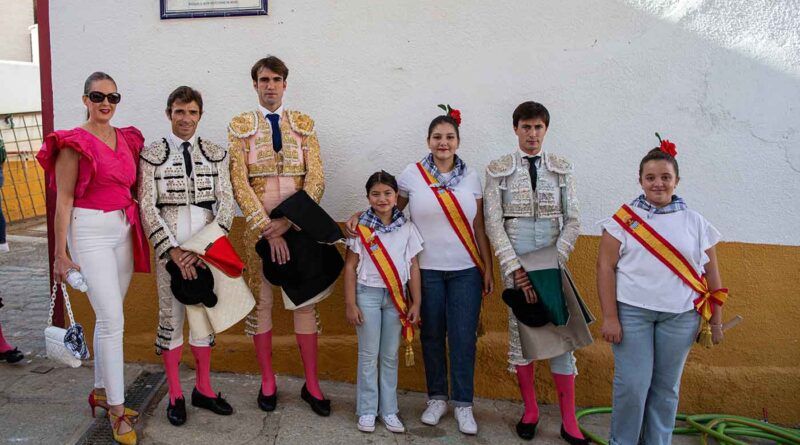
[720, 427]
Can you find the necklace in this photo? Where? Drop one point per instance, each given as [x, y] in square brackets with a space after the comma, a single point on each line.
[109, 138]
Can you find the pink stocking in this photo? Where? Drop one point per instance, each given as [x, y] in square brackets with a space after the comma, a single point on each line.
[263, 345]
[202, 360]
[4, 346]
[172, 360]
[565, 385]
[308, 352]
[525, 378]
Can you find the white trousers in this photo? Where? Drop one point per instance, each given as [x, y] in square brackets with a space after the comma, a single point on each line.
[101, 244]
[188, 221]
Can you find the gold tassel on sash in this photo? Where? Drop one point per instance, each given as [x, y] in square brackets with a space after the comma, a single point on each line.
[703, 306]
[704, 337]
[409, 354]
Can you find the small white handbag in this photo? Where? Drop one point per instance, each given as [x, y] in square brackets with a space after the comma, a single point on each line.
[64, 346]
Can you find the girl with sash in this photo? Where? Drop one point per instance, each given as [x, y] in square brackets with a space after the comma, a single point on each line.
[445, 202]
[382, 299]
[657, 280]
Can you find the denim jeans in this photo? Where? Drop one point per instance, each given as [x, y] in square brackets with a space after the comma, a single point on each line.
[378, 342]
[648, 364]
[451, 306]
[2, 218]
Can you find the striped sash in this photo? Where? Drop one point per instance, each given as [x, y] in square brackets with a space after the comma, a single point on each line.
[391, 278]
[455, 215]
[672, 258]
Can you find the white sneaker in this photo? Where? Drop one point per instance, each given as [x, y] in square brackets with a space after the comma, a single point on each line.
[435, 410]
[366, 423]
[466, 422]
[4, 247]
[393, 423]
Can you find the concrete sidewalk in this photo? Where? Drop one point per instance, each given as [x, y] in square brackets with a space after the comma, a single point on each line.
[51, 408]
[44, 404]
[294, 422]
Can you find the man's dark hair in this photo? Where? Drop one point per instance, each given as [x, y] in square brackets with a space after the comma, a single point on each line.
[271, 63]
[531, 110]
[184, 95]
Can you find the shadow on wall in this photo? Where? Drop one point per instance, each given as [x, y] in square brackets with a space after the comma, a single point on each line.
[735, 122]
[608, 90]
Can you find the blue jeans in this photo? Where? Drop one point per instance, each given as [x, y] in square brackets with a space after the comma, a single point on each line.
[648, 364]
[378, 341]
[451, 306]
[2, 218]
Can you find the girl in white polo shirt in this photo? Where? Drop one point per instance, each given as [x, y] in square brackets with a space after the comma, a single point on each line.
[382, 299]
[648, 306]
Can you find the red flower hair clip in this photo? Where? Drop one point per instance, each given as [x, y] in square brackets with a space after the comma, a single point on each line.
[667, 146]
[452, 112]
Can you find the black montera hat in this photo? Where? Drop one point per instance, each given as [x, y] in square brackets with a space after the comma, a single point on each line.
[534, 315]
[197, 291]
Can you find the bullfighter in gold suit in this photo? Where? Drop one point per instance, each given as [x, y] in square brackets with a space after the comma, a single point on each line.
[275, 153]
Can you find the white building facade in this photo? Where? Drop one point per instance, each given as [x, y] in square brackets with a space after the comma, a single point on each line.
[720, 79]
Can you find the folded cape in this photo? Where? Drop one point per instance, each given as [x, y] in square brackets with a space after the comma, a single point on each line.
[234, 300]
[314, 262]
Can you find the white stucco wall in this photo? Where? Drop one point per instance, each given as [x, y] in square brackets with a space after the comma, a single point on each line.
[720, 79]
[19, 87]
[15, 41]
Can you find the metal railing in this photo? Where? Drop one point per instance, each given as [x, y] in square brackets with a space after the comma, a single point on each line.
[23, 194]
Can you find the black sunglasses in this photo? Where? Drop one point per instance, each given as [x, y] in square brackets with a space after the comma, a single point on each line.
[98, 97]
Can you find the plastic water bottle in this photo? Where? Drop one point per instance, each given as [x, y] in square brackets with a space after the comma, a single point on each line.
[76, 280]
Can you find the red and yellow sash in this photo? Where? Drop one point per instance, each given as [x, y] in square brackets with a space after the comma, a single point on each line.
[455, 215]
[672, 258]
[383, 262]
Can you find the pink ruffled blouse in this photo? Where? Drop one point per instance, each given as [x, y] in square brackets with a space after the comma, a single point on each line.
[106, 178]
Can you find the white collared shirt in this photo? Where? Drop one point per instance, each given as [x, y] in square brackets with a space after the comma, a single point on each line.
[176, 142]
[265, 112]
[538, 161]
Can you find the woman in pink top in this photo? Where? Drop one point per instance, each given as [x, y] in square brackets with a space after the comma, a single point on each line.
[93, 169]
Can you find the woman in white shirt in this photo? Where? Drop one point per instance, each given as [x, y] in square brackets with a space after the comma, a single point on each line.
[648, 311]
[381, 301]
[455, 267]
[454, 276]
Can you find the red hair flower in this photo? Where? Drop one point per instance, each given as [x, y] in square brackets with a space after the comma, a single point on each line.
[452, 112]
[667, 146]
[456, 115]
